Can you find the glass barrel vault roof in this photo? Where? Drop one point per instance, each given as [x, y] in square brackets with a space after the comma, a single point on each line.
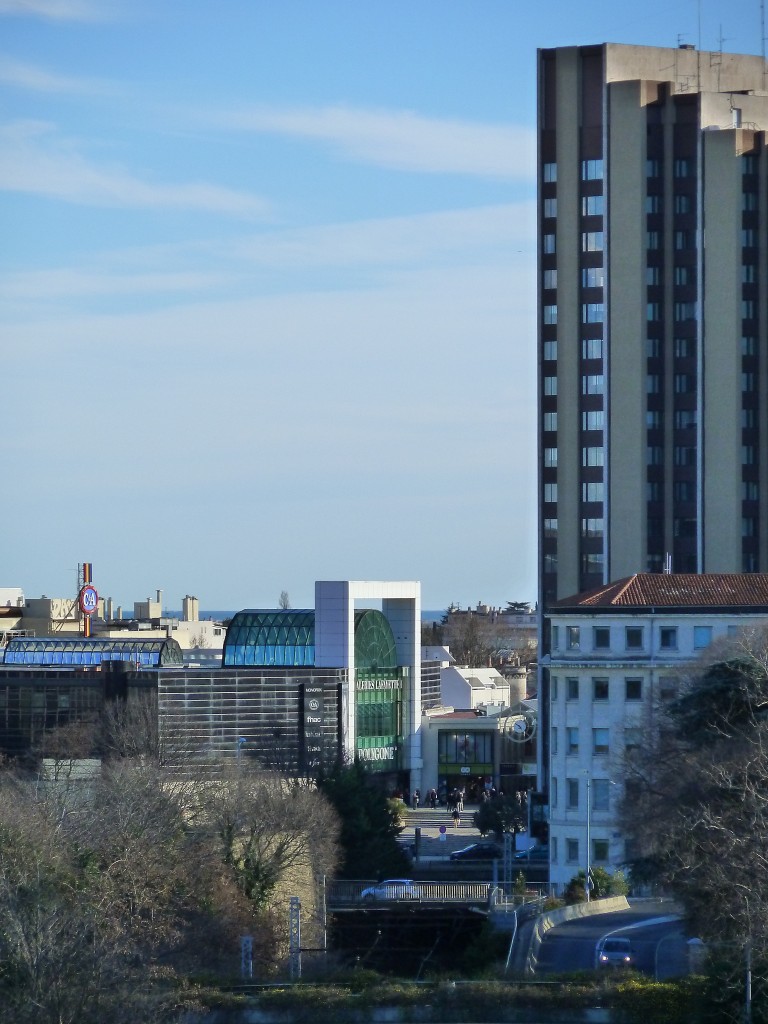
[48, 650]
[287, 637]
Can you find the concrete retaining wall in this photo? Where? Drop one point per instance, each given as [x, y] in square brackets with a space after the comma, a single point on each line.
[554, 917]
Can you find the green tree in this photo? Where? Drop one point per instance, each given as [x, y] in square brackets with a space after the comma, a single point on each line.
[370, 824]
[500, 814]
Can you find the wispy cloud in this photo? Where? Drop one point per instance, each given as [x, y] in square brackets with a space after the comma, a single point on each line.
[403, 140]
[356, 255]
[35, 159]
[38, 79]
[62, 10]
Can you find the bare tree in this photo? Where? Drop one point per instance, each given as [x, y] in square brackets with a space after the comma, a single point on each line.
[696, 807]
[269, 826]
[284, 602]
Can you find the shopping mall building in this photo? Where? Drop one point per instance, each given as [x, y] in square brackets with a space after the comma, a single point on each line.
[297, 688]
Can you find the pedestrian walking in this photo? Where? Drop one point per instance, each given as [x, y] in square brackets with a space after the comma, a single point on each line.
[456, 817]
[416, 798]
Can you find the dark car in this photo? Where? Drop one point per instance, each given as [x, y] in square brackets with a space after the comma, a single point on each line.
[478, 851]
[536, 855]
[614, 952]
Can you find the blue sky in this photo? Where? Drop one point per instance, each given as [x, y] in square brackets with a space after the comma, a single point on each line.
[267, 282]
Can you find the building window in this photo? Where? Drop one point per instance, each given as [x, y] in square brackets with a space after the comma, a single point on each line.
[572, 851]
[592, 206]
[550, 530]
[748, 382]
[548, 244]
[601, 638]
[749, 201]
[572, 794]
[549, 421]
[592, 313]
[600, 794]
[553, 688]
[549, 351]
[634, 638]
[633, 689]
[550, 314]
[668, 638]
[592, 491]
[591, 170]
[592, 241]
[572, 688]
[592, 348]
[682, 203]
[683, 383]
[653, 419]
[592, 562]
[748, 345]
[550, 385]
[683, 275]
[654, 455]
[549, 172]
[653, 311]
[749, 489]
[553, 792]
[572, 740]
[550, 457]
[652, 240]
[592, 384]
[600, 851]
[652, 275]
[550, 207]
[684, 348]
[685, 311]
[550, 493]
[592, 527]
[573, 638]
[592, 456]
[599, 689]
[748, 307]
[553, 741]
[749, 238]
[632, 737]
[592, 277]
[702, 637]
[600, 741]
[652, 168]
[592, 419]
[747, 455]
[683, 168]
[653, 203]
[653, 384]
[549, 279]
[683, 240]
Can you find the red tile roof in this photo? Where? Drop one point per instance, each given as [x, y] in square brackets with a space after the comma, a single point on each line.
[676, 590]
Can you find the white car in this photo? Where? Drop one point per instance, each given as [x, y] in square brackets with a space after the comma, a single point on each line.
[614, 952]
[392, 889]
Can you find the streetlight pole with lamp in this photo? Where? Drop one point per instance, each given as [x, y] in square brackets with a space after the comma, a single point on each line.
[588, 881]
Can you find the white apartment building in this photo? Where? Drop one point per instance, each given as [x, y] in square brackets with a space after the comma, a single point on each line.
[616, 654]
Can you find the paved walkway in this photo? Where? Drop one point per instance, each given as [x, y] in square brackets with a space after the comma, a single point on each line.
[429, 822]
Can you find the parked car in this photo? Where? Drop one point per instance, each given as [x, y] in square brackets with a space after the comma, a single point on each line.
[392, 889]
[536, 855]
[614, 952]
[478, 851]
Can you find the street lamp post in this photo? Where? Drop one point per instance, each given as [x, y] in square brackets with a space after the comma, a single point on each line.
[587, 883]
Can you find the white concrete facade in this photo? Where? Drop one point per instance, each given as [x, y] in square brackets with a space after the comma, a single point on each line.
[610, 671]
[335, 648]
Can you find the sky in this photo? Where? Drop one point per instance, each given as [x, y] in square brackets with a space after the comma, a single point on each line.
[267, 289]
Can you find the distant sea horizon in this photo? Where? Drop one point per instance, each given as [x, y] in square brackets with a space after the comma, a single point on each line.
[427, 614]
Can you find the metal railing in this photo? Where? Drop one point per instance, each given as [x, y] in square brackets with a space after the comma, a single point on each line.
[342, 893]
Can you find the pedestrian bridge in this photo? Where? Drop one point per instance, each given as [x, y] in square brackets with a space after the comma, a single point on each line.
[341, 895]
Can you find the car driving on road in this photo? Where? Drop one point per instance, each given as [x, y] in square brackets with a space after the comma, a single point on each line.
[392, 889]
[614, 952]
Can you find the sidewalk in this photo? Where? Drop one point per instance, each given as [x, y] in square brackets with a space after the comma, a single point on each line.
[429, 822]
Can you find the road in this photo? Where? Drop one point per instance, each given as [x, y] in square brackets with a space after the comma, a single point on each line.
[655, 931]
